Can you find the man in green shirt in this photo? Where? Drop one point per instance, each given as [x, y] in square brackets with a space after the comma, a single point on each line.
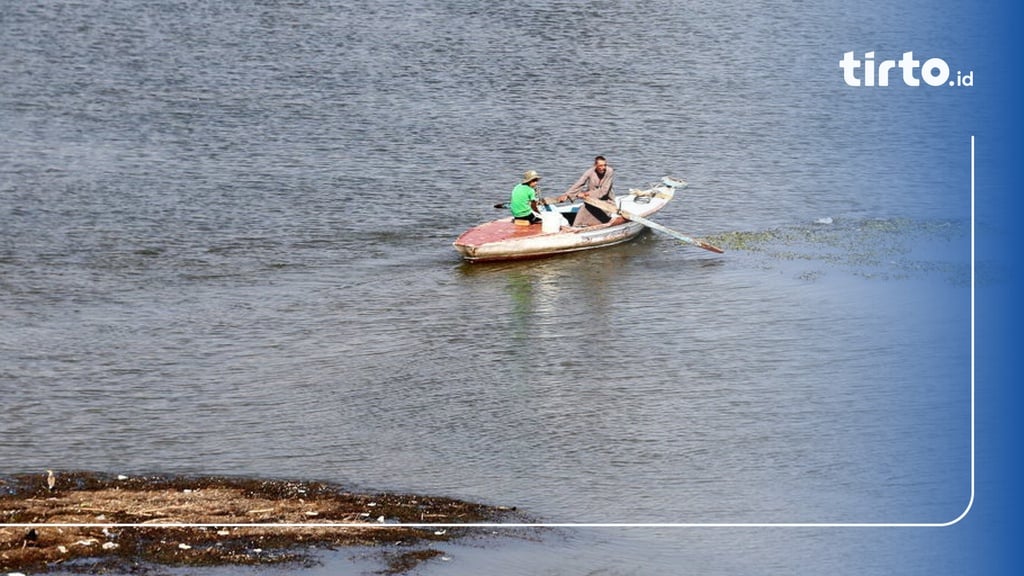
[524, 203]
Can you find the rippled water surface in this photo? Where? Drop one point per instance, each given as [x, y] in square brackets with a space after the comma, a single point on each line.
[225, 248]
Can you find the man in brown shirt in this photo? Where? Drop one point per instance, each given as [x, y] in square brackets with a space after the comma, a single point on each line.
[596, 182]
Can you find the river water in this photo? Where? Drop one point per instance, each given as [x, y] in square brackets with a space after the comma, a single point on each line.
[225, 248]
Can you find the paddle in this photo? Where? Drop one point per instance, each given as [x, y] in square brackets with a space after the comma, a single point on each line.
[613, 209]
[551, 200]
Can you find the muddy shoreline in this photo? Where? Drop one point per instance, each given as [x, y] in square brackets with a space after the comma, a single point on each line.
[92, 522]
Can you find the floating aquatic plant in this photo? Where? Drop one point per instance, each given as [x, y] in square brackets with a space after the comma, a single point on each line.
[872, 248]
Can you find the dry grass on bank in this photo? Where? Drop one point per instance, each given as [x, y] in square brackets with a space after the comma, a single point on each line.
[83, 520]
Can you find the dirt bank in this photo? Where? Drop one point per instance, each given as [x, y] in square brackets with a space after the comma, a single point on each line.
[80, 523]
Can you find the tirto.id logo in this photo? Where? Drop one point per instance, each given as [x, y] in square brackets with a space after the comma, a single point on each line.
[933, 71]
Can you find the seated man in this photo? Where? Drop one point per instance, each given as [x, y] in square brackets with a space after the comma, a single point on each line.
[596, 182]
[524, 203]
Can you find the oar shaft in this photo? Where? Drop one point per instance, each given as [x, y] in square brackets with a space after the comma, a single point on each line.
[613, 209]
[548, 200]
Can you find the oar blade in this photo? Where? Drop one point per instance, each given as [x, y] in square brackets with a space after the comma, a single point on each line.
[711, 247]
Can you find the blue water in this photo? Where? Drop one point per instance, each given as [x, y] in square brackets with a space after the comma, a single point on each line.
[225, 248]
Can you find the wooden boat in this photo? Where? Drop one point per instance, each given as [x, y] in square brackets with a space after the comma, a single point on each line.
[503, 239]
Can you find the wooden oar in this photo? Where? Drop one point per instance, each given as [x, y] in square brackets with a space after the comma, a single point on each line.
[551, 200]
[612, 209]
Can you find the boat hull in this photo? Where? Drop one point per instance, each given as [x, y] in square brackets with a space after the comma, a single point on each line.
[505, 240]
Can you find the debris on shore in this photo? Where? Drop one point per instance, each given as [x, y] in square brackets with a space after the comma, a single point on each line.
[79, 518]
